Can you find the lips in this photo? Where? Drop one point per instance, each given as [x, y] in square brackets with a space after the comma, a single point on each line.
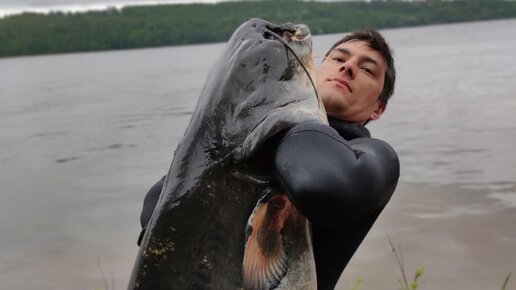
[342, 83]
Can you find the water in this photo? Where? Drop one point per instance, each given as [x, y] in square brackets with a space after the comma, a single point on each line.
[83, 136]
[453, 115]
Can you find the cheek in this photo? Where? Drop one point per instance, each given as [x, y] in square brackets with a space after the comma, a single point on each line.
[373, 89]
[324, 70]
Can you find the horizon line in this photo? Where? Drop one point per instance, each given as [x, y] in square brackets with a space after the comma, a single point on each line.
[78, 8]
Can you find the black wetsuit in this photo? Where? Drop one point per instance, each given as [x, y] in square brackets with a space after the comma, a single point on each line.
[339, 178]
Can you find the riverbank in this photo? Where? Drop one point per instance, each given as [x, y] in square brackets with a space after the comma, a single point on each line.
[461, 236]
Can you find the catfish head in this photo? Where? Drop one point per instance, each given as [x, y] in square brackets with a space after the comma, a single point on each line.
[261, 85]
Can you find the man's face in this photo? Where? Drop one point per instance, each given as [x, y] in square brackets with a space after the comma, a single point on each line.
[350, 80]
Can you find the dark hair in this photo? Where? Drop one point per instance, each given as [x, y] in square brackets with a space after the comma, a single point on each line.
[375, 41]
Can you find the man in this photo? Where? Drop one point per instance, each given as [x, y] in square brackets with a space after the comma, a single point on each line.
[342, 183]
[344, 178]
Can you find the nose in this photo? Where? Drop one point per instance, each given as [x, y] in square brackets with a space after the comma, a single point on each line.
[349, 68]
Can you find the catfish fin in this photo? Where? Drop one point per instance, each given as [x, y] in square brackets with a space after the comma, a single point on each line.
[265, 258]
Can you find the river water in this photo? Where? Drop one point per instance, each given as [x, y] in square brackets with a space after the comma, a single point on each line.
[83, 137]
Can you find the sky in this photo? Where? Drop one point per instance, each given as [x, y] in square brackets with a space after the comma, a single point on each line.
[8, 7]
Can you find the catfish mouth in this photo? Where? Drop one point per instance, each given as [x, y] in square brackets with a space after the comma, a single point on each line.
[297, 39]
[298, 33]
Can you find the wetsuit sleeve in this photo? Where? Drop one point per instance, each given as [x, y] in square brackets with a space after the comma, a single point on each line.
[332, 180]
[149, 203]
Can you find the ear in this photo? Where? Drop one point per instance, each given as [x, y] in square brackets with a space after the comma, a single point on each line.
[379, 111]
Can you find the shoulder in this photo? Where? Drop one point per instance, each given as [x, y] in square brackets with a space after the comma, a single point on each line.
[359, 137]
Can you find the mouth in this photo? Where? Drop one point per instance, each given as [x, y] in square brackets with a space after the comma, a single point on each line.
[341, 83]
[289, 33]
[297, 39]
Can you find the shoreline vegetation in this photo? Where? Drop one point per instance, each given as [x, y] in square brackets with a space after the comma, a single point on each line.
[180, 24]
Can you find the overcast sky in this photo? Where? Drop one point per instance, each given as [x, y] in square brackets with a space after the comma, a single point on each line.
[17, 6]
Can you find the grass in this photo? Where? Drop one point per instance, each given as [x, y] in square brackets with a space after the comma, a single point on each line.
[104, 278]
[405, 283]
[504, 286]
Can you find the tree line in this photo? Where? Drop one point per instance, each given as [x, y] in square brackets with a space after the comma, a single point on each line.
[177, 24]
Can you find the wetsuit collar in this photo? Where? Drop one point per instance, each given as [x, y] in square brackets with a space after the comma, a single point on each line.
[348, 130]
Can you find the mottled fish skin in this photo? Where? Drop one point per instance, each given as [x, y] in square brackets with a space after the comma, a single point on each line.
[196, 236]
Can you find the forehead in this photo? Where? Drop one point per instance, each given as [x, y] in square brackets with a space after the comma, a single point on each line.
[360, 49]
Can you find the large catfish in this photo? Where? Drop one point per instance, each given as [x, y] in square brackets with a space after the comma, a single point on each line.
[223, 221]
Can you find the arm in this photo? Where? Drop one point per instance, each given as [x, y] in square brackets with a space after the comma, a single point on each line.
[149, 203]
[331, 180]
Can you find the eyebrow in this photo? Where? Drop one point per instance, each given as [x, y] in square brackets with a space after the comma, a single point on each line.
[365, 58]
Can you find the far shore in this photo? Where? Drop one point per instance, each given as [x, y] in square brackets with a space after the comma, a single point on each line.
[148, 26]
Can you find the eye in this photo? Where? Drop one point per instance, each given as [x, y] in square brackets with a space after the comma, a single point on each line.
[367, 70]
[338, 59]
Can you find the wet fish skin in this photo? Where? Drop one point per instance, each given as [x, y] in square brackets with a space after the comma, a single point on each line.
[259, 87]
